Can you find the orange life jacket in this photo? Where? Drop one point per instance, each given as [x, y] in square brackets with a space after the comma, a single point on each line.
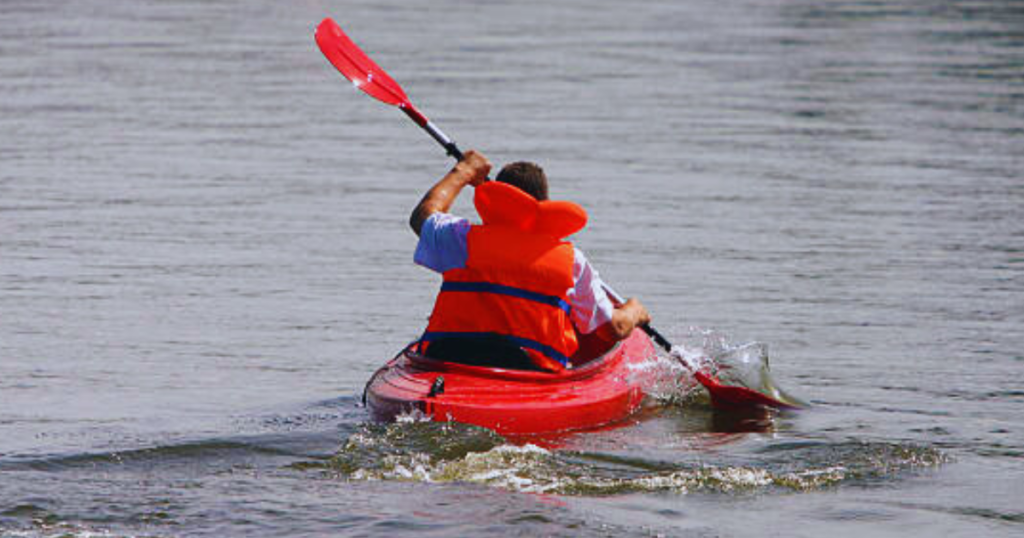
[517, 276]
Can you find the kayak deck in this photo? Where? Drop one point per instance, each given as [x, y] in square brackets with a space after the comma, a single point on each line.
[603, 390]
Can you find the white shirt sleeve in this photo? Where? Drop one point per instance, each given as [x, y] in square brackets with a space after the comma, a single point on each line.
[591, 306]
[442, 244]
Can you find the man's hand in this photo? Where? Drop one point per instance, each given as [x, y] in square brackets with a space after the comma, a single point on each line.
[471, 170]
[474, 167]
[626, 317]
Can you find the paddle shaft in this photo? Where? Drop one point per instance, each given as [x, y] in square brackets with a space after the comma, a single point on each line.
[446, 142]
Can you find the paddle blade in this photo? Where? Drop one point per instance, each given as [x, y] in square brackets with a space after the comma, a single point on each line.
[730, 397]
[737, 378]
[364, 73]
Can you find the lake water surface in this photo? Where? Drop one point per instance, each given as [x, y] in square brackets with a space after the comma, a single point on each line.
[204, 255]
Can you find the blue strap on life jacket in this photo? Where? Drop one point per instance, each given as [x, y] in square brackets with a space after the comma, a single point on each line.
[488, 287]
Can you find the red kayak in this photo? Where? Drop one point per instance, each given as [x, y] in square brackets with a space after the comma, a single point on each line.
[605, 389]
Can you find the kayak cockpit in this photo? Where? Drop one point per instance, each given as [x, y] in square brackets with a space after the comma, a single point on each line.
[494, 351]
[602, 388]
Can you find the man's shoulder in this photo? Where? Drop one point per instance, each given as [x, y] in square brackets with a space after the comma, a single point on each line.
[442, 244]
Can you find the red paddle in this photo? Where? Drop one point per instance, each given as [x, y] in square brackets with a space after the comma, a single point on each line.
[369, 77]
[348, 58]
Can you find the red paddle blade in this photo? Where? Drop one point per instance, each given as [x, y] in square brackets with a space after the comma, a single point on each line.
[348, 58]
[730, 397]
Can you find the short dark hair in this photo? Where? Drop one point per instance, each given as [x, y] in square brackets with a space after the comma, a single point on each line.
[527, 176]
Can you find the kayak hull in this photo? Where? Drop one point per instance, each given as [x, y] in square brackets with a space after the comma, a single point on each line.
[604, 390]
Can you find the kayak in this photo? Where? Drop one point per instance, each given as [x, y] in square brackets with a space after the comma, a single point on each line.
[603, 388]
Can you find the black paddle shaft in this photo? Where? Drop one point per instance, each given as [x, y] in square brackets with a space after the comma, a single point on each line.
[437, 134]
[657, 337]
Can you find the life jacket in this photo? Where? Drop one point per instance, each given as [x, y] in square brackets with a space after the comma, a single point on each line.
[517, 276]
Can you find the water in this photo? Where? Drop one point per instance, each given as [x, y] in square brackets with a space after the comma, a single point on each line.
[204, 255]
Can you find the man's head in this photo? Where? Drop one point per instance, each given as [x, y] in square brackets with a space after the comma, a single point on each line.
[527, 176]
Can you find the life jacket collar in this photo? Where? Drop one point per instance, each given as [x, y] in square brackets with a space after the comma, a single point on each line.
[502, 204]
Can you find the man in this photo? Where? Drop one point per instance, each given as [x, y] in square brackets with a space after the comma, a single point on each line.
[514, 292]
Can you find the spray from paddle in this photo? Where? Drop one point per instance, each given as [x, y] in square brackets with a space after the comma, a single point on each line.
[746, 386]
[743, 367]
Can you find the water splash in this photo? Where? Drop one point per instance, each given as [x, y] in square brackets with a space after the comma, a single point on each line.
[667, 382]
[711, 352]
[445, 453]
